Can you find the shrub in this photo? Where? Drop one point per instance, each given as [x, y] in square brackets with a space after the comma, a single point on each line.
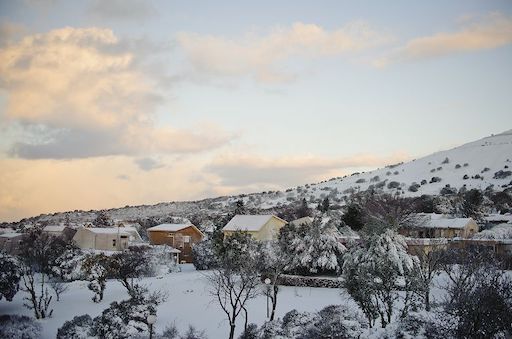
[465, 177]
[393, 184]
[395, 172]
[414, 187]
[204, 257]
[446, 160]
[435, 179]
[423, 182]
[466, 164]
[375, 179]
[360, 181]
[432, 170]
[502, 174]
[13, 326]
[485, 169]
[77, 328]
[457, 166]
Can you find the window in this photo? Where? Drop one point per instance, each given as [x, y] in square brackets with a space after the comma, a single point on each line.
[113, 242]
[186, 239]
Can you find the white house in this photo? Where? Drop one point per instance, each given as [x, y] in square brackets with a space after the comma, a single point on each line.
[105, 238]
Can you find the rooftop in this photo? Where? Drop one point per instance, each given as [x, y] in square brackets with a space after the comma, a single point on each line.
[247, 222]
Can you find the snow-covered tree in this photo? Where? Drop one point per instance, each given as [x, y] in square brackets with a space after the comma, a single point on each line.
[204, 256]
[96, 269]
[318, 251]
[376, 271]
[13, 326]
[10, 274]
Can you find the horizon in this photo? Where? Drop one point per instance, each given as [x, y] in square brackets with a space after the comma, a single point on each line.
[134, 103]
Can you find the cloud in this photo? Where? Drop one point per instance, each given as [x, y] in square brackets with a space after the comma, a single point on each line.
[260, 56]
[122, 9]
[486, 32]
[148, 164]
[9, 32]
[82, 94]
[237, 170]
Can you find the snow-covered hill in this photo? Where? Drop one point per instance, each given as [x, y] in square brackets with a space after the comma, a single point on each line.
[479, 164]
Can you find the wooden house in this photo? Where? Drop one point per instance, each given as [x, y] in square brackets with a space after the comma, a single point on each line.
[179, 236]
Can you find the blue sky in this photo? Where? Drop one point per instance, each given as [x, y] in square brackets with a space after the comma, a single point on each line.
[131, 102]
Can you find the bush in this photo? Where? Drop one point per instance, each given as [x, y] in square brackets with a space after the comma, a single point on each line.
[19, 327]
[375, 179]
[336, 321]
[10, 274]
[393, 184]
[465, 177]
[360, 181]
[502, 174]
[414, 187]
[447, 190]
[204, 257]
[435, 179]
[457, 166]
[423, 182]
[485, 169]
[77, 328]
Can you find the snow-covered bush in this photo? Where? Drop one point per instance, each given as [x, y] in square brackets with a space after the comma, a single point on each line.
[393, 184]
[77, 328]
[204, 257]
[376, 271]
[19, 327]
[96, 268]
[417, 325]
[68, 266]
[336, 321]
[10, 275]
[251, 332]
[127, 318]
[318, 251]
[502, 174]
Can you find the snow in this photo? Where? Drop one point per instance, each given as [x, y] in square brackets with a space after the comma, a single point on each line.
[432, 220]
[54, 228]
[188, 302]
[247, 222]
[105, 230]
[169, 227]
[10, 235]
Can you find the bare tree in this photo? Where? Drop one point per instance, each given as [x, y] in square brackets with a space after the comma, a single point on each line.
[389, 211]
[431, 263]
[58, 286]
[232, 289]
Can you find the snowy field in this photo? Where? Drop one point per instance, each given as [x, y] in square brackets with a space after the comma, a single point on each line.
[188, 302]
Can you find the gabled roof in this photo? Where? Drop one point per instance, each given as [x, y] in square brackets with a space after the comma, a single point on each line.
[251, 223]
[10, 235]
[432, 220]
[169, 227]
[173, 227]
[106, 230]
[54, 228]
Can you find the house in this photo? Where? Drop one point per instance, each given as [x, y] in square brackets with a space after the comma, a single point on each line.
[179, 236]
[61, 231]
[10, 243]
[104, 238]
[431, 225]
[260, 227]
[423, 246]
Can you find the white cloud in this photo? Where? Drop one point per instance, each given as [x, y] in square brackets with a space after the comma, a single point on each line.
[259, 56]
[83, 94]
[480, 33]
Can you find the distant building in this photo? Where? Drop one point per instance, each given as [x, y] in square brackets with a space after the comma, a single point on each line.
[10, 243]
[180, 236]
[432, 225]
[105, 238]
[260, 227]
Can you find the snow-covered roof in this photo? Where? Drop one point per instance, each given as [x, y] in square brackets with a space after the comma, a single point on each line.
[107, 230]
[248, 222]
[169, 227]
[432, 220]
[10, 235]
[499, 218]
[54, 228]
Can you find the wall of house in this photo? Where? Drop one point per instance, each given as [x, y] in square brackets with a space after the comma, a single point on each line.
[270, 230]
[11, 245]
[86, 239]
[175, 239]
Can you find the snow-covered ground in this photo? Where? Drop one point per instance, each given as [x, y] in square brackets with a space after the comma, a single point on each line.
[188, 302]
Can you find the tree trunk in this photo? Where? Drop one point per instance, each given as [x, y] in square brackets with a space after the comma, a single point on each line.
[232, 331]
[274, 302]
[427, 300]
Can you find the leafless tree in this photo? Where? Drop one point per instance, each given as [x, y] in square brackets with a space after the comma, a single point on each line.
[389, 211]
[58, 286]
[232, 289]
[431, 263]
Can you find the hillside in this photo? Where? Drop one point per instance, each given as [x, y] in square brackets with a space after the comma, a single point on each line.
[478, 164]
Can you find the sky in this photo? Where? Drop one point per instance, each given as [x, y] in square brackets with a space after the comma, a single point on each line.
[111, 103]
